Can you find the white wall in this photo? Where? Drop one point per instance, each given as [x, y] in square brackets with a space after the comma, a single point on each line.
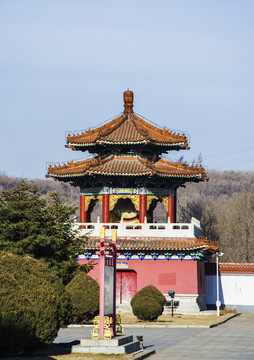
[236, 291]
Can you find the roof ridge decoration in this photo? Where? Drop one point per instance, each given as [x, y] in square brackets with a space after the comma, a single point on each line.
[114, 125]
[143, 132]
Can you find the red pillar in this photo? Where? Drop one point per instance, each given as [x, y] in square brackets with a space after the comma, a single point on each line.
[142, 208]
[172, 207]
[175, 208]
[105, 208]
[82, 209]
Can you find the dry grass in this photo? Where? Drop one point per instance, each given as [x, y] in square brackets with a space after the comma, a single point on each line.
[71, 357]
[167, 319]
[228, 311]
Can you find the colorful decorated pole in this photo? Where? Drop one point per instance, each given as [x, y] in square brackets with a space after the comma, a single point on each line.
[102, 281]
[108, 257]
[114, 248]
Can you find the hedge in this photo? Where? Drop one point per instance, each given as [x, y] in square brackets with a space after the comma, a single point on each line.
[84, 293]
[44, 292]
[17, 318]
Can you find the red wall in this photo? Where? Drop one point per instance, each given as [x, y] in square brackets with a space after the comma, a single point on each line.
[178, 275]
[185, 277]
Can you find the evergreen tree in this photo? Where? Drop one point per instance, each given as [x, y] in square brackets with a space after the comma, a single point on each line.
[31, 225]
[34, 303]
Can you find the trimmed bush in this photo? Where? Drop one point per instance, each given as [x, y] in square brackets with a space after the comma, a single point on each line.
[17, 318]
[152, 292]
[146, 308]
[148, 303]
[44, 292]
[84, 293]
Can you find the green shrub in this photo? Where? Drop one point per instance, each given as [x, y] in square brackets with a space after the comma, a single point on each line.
[45, 293]
[146, 308]
[84, 293]
[148, 303]
[152, 292]
[17, 318]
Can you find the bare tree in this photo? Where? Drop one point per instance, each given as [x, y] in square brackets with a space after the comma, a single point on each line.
[202, 208]
[236, 227]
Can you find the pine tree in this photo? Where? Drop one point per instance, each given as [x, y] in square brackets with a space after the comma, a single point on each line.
[43, 229]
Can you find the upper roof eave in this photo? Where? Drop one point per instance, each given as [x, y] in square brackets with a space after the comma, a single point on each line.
[128, 128]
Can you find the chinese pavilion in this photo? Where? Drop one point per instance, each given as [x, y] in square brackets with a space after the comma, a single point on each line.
[130, 187]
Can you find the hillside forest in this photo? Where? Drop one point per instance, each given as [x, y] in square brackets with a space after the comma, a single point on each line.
[224, 205]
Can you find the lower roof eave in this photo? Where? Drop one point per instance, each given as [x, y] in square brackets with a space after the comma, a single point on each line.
[160, 245]
[59, 176]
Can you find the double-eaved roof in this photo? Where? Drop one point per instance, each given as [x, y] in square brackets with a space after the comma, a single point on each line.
[127, 146]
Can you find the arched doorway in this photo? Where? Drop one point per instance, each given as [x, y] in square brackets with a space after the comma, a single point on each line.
[124, 208]
[126, 286]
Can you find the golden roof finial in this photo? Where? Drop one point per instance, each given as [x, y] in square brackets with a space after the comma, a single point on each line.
[128, 101]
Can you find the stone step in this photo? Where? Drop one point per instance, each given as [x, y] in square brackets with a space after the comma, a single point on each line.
[132, 347]
[143, 354]
[118, 345]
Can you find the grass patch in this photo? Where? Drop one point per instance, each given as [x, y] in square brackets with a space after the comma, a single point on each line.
[71, 357]
[167, 319]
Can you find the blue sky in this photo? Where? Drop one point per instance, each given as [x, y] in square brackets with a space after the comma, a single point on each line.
[65, 64]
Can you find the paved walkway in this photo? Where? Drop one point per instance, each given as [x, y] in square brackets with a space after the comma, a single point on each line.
[232, 340]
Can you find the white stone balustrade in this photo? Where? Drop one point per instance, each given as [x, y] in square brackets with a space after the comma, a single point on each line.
[176, 230]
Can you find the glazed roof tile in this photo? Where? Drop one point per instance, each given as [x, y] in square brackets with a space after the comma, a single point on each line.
[233, 268]
[159, 244]
[115, 165]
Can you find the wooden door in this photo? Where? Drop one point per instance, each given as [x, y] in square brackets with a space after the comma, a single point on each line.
[126, 286]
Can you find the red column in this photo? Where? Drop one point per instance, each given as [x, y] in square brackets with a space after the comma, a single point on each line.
[82, 209]
[105, 208]
[172, 208]
[142, 208]
[175, 208]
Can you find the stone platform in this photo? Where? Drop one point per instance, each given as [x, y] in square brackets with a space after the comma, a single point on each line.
[116, 345]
